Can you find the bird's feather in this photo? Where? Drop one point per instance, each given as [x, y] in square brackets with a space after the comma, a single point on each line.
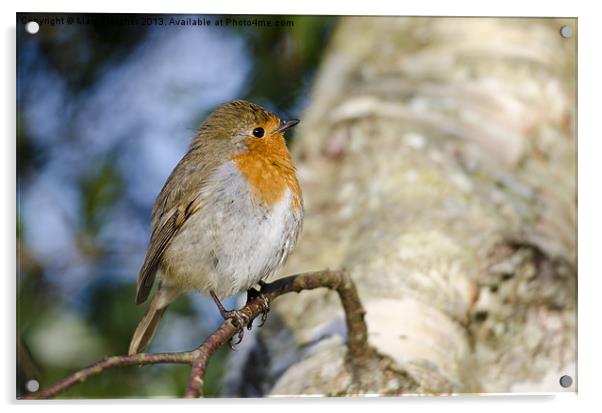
[177, 201]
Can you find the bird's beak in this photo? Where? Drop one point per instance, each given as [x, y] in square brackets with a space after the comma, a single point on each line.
[284, 126]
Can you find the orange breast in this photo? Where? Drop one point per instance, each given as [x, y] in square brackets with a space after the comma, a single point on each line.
[268, 168]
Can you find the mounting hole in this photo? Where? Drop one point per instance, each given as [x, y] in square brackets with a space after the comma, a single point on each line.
[566, 31]
[32, 27]
[566, 381]
[32, 385]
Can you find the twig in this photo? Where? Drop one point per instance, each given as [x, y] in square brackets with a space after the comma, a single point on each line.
[110, 362]
[199, 364]
[358, 355]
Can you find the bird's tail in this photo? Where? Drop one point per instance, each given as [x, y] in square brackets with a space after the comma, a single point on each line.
[148, 325]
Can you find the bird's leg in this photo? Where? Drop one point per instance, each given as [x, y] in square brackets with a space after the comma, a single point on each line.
[238, 318]
[252, 293]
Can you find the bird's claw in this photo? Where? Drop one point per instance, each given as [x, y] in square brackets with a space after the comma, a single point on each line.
[265, 304]
[239, 319]
[265, 309]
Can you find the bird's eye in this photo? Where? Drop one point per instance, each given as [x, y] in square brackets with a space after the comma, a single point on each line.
[258, 132]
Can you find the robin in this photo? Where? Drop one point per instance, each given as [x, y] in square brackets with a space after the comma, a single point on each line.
[227, 217]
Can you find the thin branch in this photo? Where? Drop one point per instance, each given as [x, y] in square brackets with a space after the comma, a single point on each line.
[199, 364]
[358, 355]
[108, 363]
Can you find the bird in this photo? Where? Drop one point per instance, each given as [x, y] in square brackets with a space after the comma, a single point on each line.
[227, 217]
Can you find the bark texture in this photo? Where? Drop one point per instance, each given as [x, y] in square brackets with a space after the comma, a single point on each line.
[438, 162]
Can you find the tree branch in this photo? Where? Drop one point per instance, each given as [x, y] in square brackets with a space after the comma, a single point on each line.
[358, 355]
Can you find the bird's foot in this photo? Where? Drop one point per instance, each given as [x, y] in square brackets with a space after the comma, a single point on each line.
[239, 319]
[265, 307]
[265, 304]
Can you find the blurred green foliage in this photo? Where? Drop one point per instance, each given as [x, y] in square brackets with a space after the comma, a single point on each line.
[284, 57]
[99, 190]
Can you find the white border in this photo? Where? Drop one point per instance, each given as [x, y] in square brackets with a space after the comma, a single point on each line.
[590, 207]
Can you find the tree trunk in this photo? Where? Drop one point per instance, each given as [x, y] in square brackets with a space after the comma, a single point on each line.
[437, 161]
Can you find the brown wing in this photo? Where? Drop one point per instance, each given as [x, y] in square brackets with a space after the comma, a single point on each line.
[178, 200]
[159, 241]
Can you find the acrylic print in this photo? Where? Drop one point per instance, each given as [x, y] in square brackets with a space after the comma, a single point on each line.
[255, 206]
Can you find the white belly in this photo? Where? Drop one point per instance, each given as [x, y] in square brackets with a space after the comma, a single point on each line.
[230, 243]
